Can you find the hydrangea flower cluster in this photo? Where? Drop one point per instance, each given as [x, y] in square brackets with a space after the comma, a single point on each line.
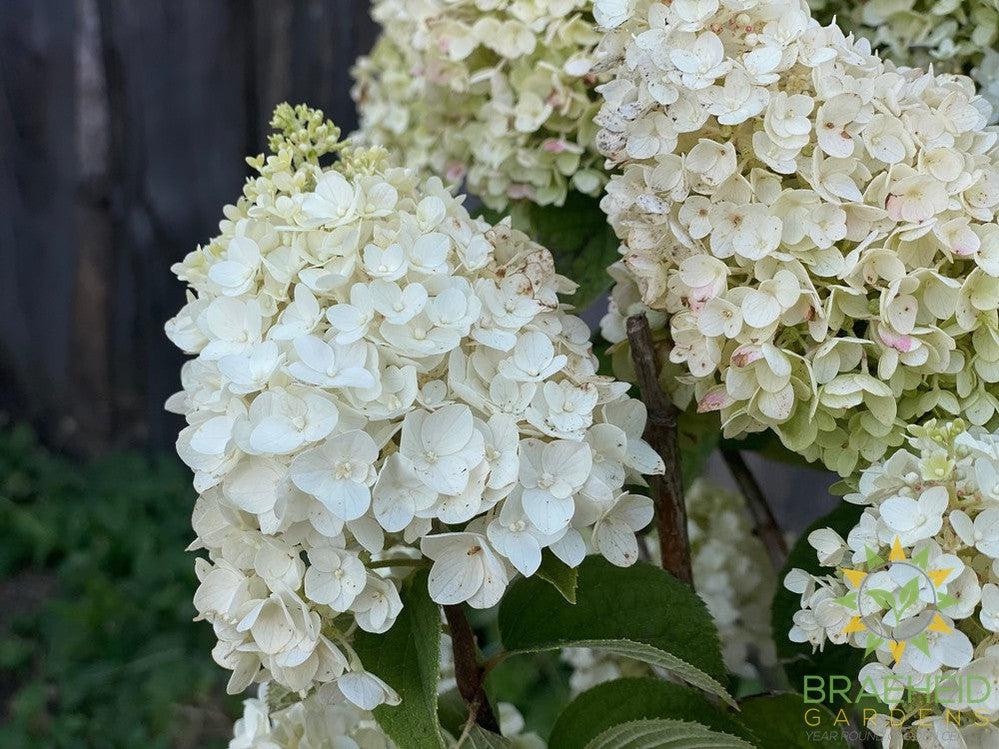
[918, 580]
[954, 37]
[310, 722]
[592, 667]
[818, 224]
[732, 574]
[498, 93]
[314, 723]
[379, 376]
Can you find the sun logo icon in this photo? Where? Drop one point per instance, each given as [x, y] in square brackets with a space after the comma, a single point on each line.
[897, 601]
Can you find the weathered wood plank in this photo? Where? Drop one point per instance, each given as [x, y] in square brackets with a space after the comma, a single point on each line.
[123, 126]
[37, 182]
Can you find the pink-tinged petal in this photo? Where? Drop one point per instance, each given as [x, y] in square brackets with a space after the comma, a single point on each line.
[902, 343]
[746, 355]
[714, 400]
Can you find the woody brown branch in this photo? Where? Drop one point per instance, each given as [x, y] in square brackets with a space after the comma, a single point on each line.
[468, 674]
[661, 434]
[764, 521]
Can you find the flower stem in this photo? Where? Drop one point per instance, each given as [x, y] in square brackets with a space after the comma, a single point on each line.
[661, 434]
[467, 672]
[763, 517]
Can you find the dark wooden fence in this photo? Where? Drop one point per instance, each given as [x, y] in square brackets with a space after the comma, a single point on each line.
[123, 127]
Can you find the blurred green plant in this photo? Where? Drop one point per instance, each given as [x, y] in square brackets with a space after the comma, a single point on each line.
[97, 642]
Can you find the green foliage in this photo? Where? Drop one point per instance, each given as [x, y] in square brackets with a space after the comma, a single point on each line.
[697, 435]
[664, 734]
[407, 658]
[536, 684]
[798, 659]
[641, 611]
[768, 445]
[624, 700]
[779, 722]
[97, 642]
[559, 574]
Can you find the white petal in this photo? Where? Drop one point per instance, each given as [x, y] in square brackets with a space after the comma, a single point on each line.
[616, 541]
[347, 500]
[548, 513]
[571, 548]
[454, 578]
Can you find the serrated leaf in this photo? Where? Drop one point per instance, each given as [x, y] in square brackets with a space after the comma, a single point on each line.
[407, 658]
[678, 667]
[778, 720]
[665, 734]
[579, 238]
[797, 658]
[629, 699]
[559, 574]
[642, 609]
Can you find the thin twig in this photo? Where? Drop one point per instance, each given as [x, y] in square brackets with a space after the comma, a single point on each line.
[467, 672]
[661, 434]
[767, 529]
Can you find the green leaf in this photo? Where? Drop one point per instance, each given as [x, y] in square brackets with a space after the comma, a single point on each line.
[697, 435]
[623, 700]
[664, 734]
[580, 240]
[768, 445]
[534, 683]
[640, 611]
[797, 658]
[778, 720]
[639, 651]
[559, 574]
[452, 711]
[407, 657]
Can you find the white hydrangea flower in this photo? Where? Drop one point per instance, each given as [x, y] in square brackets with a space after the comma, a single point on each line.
[499, 94]
[955, 36]
[378, 375]
[732, 574]
[314, 722]
[592, 667]
[818, 224]
[275, 719]
[931, 507]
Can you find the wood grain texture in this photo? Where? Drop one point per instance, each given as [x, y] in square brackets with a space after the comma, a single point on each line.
[123, 127]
